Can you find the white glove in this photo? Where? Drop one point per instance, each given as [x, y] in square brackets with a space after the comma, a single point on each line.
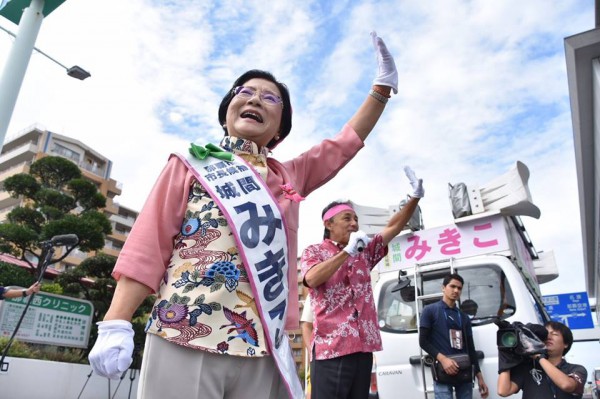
[112, 353]
[387, 74]
[417, 184]
[356, 243]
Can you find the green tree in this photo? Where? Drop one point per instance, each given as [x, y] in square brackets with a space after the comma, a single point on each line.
[14, 275]
[58, 200]
[100, 291]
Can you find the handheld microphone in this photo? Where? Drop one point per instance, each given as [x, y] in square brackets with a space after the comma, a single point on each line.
[64, 240]
[360, 245]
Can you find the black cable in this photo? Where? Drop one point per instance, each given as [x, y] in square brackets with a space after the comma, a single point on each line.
[49, 251]
[86, 381]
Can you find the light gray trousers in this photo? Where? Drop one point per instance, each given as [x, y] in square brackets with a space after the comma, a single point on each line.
[173, 371]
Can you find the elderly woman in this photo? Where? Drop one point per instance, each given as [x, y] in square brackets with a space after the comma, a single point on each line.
[217, 241]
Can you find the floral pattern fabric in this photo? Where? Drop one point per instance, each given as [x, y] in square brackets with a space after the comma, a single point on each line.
[345, 319]
[205, 300]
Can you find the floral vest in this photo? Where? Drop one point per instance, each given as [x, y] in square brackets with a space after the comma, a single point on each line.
[205, 300]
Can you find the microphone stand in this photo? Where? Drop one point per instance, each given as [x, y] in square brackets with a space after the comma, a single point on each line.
[46, 256]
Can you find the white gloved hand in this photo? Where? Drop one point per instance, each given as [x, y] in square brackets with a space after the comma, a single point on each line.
[417, 184]
[353, 242]
[387, 75]
[112, 353]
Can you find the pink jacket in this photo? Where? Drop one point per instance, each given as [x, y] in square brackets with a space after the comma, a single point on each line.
[146, 253]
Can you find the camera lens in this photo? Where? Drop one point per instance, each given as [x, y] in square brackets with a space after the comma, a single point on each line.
[508, 339]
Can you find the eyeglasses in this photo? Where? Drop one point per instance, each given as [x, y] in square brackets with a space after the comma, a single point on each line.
[265, 96]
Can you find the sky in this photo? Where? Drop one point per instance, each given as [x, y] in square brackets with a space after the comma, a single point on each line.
[482, 85]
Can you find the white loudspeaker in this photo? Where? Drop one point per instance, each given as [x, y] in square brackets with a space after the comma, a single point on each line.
[372, 220]
[507, 193]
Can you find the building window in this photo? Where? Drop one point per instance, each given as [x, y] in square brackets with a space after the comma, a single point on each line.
[66, 153]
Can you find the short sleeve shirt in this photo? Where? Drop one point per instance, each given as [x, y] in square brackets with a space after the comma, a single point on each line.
[440, 318]
[307, 312]
[536, 384]
[344, 309]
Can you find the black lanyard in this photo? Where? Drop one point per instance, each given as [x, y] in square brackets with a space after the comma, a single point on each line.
[450, 317]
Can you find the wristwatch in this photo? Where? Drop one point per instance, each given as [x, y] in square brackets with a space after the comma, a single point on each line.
[24, 293]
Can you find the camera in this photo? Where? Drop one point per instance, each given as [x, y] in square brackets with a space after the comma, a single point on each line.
[517, 342]
[521, 339]
[507, 338]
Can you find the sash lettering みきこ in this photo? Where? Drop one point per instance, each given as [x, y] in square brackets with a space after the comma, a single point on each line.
[259, 230]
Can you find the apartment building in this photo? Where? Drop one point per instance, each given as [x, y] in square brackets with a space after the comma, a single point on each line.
[35, 142]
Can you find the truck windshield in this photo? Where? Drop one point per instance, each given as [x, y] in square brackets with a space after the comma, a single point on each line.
[486, 295]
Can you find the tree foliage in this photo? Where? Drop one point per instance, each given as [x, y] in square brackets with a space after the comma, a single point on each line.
[14, 275]
[58, 200]
[100, 292]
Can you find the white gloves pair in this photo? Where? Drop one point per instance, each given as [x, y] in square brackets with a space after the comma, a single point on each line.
[112, 353]
[387, 74]
[417, 184]
[357, 242]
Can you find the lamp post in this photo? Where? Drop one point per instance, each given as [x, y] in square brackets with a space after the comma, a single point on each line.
[29, 20]
[75, 71]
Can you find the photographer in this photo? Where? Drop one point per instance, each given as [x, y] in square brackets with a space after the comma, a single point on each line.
[544, 375]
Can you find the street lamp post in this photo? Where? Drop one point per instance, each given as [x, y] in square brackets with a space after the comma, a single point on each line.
[16, 65]
[75, 71]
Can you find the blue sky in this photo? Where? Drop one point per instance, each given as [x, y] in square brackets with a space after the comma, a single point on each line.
[482, 84]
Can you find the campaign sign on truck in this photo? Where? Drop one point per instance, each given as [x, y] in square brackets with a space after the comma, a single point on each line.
[573, 310]
[469, 238]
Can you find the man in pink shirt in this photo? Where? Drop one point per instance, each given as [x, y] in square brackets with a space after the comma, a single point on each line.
[337, 272]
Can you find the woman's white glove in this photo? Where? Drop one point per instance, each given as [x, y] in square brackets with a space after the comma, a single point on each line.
[417, 184]
[112, 353]
[387, 74]
[357, 242]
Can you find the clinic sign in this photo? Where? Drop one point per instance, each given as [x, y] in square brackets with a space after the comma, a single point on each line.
[573, 310]
[51, 319]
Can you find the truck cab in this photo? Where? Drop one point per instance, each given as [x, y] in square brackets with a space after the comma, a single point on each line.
[490, 249]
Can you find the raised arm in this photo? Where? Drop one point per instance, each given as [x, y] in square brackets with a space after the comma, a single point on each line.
[367, 115]
[400, 218]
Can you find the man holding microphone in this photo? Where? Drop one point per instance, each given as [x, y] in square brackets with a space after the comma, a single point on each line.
[337, 273]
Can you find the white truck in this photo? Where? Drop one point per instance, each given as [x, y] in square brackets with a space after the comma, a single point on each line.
[502, 270]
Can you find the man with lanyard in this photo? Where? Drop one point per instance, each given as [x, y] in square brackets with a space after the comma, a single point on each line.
[446, 330]
[546, 376]
[337, 272]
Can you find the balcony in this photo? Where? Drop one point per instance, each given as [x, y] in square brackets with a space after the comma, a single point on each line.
[124, 220]
[24, 153]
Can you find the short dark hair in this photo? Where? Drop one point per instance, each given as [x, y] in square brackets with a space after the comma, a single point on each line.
[286, 115]
[326, 233]
[564, 331]
[469, 305]
[453, 276]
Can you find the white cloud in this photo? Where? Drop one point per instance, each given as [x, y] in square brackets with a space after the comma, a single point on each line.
[481, 85]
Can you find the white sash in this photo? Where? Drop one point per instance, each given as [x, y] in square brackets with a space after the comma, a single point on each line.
[259, 230]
